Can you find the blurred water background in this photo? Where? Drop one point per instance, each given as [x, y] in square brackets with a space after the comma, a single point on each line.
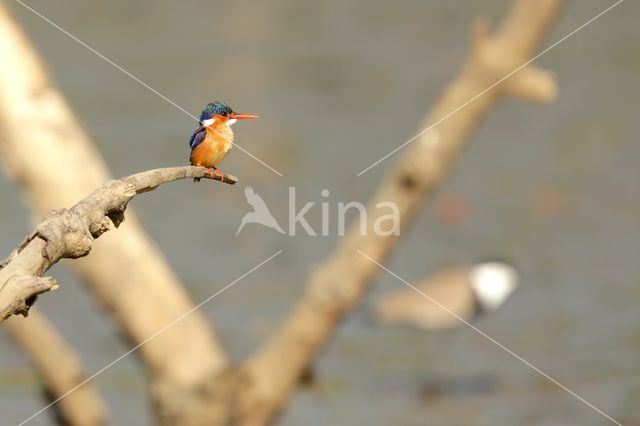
[338, 84]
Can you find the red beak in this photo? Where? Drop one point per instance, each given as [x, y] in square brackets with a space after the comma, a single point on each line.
[242, 116]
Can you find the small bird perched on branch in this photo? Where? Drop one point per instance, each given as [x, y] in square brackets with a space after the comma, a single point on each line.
[213, 139]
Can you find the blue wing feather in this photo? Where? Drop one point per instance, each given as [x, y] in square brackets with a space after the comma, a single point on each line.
[196, 138]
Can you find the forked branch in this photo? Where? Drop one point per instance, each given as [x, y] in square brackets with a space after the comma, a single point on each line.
[498, 66]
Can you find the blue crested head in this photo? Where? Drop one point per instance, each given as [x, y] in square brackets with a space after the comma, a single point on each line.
[214, 108]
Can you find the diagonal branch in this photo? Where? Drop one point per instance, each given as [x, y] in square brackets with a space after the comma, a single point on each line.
[338, 284]
[69, 233]
[51, 158]
[60, 368]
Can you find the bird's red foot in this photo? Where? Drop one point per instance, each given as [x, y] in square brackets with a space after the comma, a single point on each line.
[216, 172]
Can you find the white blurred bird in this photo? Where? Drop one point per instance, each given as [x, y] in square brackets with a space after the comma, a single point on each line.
[467, 291]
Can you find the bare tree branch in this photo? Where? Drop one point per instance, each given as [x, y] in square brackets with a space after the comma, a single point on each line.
[338, 285]
[70, 234]
[48, 154]
[192, 382]
[60, 368]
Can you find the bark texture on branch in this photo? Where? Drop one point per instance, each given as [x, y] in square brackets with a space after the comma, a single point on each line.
[60, 369]
[69, 233]
[338, 284]
[44, 149]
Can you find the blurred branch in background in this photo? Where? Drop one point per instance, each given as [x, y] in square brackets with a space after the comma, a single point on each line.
[43, 148]
[47, 153]
[60, 369]
[70, 233]
[336, 286]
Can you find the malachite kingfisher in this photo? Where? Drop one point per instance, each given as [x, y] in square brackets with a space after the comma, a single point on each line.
[213, 139]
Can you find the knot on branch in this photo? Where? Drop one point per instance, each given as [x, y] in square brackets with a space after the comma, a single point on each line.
[66, 235]
[114, 196]
[23, 291]
[423, 165]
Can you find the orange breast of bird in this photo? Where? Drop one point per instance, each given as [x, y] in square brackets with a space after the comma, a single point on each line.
[213, 149]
